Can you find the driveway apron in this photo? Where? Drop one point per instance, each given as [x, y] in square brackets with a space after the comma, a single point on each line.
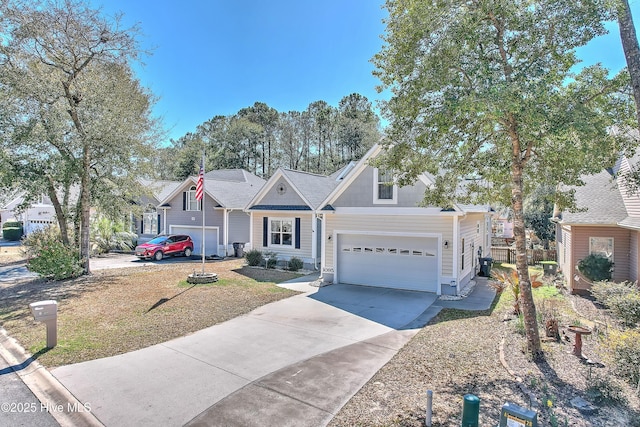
[291, 362]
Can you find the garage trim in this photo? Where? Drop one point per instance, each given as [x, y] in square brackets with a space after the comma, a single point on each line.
[198, 230]
[437, 236]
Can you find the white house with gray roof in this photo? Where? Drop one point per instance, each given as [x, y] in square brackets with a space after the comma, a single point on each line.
[358, 228]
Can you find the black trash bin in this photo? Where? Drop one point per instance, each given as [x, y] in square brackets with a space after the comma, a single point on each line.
[485, 266]
[238, 249]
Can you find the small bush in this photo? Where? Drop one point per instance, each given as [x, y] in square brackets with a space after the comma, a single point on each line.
[254, 257]
[603, 291]
[295, 264]
[11, 233]
[596, 267]
[626, 308]
[56, 261]
[272, 262]
[49, 257]
[605, 391]
[623, 299]
[624, 351]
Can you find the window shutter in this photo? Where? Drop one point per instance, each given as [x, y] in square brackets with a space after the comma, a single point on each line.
[142, 224]
[184, 200]
[297, 233]
[158, 226]
[265, 231]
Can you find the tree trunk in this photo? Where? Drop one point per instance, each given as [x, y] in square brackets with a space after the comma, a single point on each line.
[60, 216]
[526, 296]
[85, 198]
[631, 50]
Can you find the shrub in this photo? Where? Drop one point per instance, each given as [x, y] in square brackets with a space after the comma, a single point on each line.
[49, 257]
[107, 235]
[295, 264]
[626, 308]
[605, 391]
[603, 291]
[254, 257]
[272, 262]
[596, 267]
[11, 233]
[623, 299]
[624, 351]
[56, 261]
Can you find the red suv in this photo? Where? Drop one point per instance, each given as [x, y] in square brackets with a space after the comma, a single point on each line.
[160, 246]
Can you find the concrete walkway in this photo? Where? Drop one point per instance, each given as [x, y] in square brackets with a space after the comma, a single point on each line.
[293, 362]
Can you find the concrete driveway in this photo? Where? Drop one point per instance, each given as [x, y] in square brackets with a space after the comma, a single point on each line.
[293, 362]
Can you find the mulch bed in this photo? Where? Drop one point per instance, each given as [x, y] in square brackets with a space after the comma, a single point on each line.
[459, 353]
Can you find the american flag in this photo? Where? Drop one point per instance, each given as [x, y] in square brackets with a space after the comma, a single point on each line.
[200, 186]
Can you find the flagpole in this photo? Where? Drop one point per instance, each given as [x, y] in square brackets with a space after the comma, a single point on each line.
[203, 213]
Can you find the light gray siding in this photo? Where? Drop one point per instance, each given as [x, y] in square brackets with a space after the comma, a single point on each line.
[177, 216]
[239, 227]
[360, 193]
[629, 197]
[473, 231]
[289, 197]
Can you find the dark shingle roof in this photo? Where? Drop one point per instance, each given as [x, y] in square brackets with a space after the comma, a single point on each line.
[599, 200]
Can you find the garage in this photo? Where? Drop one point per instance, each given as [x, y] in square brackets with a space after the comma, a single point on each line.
[211, 236]
[399, 262]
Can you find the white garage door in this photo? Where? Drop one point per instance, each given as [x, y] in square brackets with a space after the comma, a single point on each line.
[210, 233]
[388, 261]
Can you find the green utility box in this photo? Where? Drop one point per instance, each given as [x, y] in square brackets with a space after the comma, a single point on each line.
[514, 416]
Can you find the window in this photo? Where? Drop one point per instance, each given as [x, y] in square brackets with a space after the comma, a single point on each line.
[191, 203]
[281, 232]
[384, 189]
[601, 246]
[150, 222]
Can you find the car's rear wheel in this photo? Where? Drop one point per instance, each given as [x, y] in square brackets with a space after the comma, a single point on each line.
[158, 256]
[187, 252]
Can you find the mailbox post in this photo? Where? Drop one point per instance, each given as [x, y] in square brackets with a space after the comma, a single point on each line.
[47, 312]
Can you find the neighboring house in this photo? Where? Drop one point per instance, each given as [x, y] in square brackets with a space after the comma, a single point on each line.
[36, 216]
[363, 231]
[285, 214]
[227, 192]
[501, 225]
[150, 223]
[608, 223]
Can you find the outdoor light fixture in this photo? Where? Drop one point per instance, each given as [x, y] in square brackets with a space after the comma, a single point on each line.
[446, 244]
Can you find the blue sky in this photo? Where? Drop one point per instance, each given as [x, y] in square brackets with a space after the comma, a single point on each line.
[214, 57]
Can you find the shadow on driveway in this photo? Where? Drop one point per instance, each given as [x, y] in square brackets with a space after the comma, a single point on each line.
[394, 308]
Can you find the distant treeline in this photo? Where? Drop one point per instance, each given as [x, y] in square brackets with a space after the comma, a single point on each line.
[260, 139]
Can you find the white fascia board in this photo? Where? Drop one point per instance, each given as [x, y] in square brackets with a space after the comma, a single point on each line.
[395, 211]
[179, 189]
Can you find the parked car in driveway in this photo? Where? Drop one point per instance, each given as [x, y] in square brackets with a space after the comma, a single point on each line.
[165, 245]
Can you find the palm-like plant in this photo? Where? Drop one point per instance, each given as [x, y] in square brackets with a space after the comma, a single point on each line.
[107, 235]
[509, 279]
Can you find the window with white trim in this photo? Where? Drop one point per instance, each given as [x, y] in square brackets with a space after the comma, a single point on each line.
[192, 203]
[601, 246]
[281, 232]
[384, 189]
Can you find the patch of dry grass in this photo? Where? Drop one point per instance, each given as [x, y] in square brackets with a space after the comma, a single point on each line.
[117, 311]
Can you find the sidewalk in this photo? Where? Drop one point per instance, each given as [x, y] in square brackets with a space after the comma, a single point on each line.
[293, 362]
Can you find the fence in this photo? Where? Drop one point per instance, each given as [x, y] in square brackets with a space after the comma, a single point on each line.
[534, 256]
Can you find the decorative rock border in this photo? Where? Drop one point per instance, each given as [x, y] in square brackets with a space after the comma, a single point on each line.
[202, 278]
